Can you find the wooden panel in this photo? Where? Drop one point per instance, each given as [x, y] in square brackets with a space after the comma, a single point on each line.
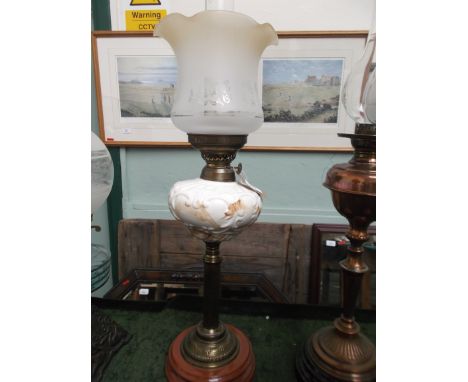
[261, 238]
[300, 248]
[138, 245]
[281, 252]
[176, 238]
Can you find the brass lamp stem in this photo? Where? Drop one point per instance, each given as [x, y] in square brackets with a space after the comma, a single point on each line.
[210, 344]
[353, 268]
[212, 285]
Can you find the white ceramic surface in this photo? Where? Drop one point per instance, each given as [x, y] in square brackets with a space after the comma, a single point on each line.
[214, 211]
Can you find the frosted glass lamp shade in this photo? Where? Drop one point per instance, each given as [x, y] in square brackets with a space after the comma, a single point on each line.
[218, 53]
[102, 173]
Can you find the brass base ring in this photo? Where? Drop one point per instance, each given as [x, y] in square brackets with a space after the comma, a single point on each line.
[210, 348]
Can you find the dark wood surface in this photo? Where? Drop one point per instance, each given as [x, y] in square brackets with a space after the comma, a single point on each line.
[264, 289]
[248, 308]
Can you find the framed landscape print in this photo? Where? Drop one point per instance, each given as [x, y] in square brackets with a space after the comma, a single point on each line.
[135, 77]
[299, 82]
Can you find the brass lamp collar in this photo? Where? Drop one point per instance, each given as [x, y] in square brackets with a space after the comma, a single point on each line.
[218, 151]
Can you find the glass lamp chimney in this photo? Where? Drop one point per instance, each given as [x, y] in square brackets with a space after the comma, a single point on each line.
[219, 5]
[359, 91]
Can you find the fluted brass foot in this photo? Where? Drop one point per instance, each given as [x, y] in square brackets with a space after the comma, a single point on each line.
[337, 353]
[210, 348]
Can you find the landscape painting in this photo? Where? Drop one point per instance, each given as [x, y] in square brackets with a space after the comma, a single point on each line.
[302, 90]
[146, 85]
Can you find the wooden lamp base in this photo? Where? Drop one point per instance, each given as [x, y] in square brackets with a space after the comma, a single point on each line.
[240, 369]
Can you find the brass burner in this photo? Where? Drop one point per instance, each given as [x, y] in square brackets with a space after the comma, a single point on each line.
[218, 151]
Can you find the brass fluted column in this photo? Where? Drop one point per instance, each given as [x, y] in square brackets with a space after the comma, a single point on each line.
[210, 345]
[353, 269]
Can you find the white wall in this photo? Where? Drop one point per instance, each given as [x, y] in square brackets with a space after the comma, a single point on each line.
[313, 15]
[296, 14]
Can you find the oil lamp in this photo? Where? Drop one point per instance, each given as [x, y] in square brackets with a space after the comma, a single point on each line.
[217, 104]
[341, 352]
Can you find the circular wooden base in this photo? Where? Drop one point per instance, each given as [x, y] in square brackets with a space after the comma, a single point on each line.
[240, 369]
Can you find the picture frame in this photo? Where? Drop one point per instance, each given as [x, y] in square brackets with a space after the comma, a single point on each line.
[300, 83]
[325, 271]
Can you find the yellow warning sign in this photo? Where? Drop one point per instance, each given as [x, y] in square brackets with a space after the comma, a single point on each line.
[143, 20]
[145, 2]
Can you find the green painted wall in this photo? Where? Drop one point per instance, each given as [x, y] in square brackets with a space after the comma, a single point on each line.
[292, 182]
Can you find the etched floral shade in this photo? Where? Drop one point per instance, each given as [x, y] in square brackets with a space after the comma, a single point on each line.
[102, 173]
[218, 52]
